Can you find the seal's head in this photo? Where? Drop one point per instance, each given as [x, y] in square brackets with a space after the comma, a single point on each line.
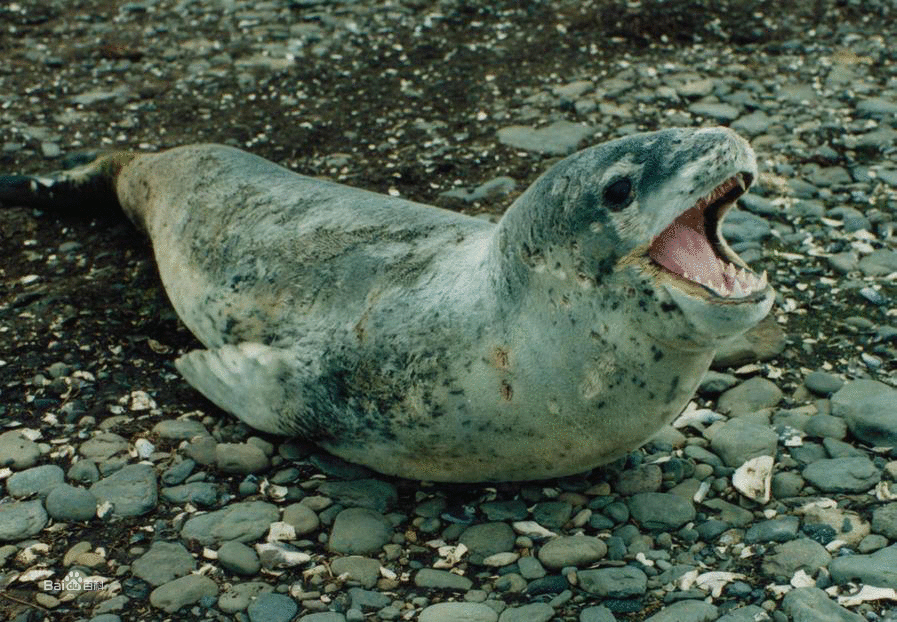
[641, 216]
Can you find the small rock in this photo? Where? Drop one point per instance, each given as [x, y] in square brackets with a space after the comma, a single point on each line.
[878, 569]
[245, 522]
[559, 138]
[271, 607]
[660, 511]
[572, 551]
[810, 604]
[458, 612]
[239, 596]
[868, 408]
[736, 441]
[624, 582]
[749, 396]
[373, 494]
[686, 610]
[779, 529]
[39, 480]
[764, 341]
[180, 429]
[181, 592]
[800, 554]
[131, 490]
[596, 614]
[884, 520]
[69, 503]
[363, 570]
[441, 580]
[823, 383]
[17, 451]
[302, 518]
[359, 531]
[240, 458]
[487, 539]
[239, 558]
[842, 474]
[533, 612]
[21, 519]
[164, 562]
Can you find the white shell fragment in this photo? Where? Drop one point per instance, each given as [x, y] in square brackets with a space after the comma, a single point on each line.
[866, 594]
[532, 529]
[753, 479]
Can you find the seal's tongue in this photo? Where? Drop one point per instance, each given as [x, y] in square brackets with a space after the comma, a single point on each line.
[683, 248]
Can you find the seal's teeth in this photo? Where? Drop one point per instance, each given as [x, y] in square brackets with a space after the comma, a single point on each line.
[724, 290]
[762, 283]
[730, 270]
[737, 290]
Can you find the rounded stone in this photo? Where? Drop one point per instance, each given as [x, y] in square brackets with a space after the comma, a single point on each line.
[271, 607]
[660, 511]
[434, 579]
[240, 458]
[533, 612]
[856, 474]
[362, 570]
[245, 522]
[487, 539]
[239, 558]
[572, 551]
[458, 612]
[182, 591]
[884, 520]
[71, 503]
[131, 490]
[21, 519]
[302, 518]
[359, 531]
[624, 582]
[39, 480]
[17, 451]
[164, 562]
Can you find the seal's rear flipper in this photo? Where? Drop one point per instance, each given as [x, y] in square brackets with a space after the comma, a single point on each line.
[246, 380]
[90, 187]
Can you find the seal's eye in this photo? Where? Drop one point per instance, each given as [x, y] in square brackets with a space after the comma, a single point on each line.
[618, 193]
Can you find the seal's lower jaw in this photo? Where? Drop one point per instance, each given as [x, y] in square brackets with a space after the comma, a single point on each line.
[715, 289]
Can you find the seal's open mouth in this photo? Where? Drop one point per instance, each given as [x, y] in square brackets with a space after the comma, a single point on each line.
[692, 247]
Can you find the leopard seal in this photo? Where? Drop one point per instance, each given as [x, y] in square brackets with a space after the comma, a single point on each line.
[431, 345]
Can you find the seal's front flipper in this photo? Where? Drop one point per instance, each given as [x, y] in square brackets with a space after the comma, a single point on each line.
[249, 380]
[89, 187]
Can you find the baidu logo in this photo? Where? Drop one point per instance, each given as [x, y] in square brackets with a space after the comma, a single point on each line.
[74, 581]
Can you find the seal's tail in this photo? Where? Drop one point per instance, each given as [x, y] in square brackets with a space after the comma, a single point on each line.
[89, 187]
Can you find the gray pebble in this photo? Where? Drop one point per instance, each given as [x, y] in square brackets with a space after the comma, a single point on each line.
[239, 558]
[21, 519]
[70, 503]
[177, 473]
[302, 518]
[240, 458]
[84, 472]
[552, 514]
[131, 490]
[17, 451]
[779, 529]
[686, 611]
[164, 562]
[362, 570]
[786, 484]
[842, 474]
[878, 569]
[871, 543]
[181, 592]
[39, 480]
[716, 111]
[487, 539]
[749, 396]
[623, 582]
[324, 616]
[867, 407]
[810, 604]
[359, 531]
[505, 510]
[374, 494]
[245, 522]
[823, 383]
[884, 520]
[441, 580]
[202, 494]
[272, 607]
[826, 426]
[533, 612]
[750, 613]
[715, 383]
[576, 550]
[736, 441]
[458, 612]
[800, 554]
[659, 511]
[596, 614]
[103, 446]
[644, 478]
[531, 568]
[238, 597]
[559, 138]
[367, 599]
[180, 429]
